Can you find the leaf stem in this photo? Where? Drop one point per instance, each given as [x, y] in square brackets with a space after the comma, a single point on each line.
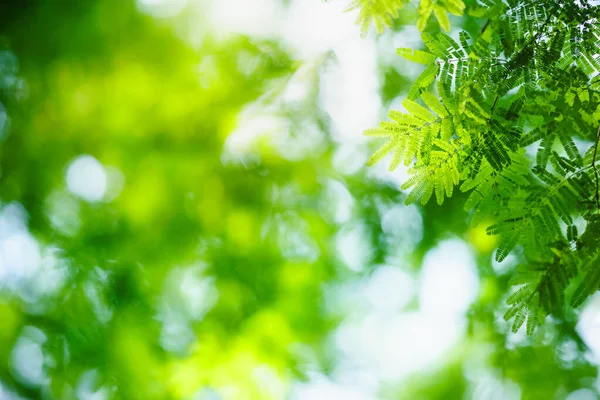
[494, 105]
[597, 196]
[484, 27]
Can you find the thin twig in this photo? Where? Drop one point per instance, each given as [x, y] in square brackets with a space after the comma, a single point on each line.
[597, 197]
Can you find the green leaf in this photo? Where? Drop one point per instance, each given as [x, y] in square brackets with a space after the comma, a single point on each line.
[442, 17]
[418, 56]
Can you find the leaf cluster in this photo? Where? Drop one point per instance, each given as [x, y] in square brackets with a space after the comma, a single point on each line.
[511, 117]
[382, 13]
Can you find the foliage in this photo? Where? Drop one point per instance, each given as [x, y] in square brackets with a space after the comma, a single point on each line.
[503, 116]
[382, 12]
[379, 12]
[177, 245]
[232, 254]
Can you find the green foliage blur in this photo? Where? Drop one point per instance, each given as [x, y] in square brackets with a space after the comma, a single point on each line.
[147, 252]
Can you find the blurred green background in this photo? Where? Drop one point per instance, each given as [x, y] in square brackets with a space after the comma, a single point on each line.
[185, 214]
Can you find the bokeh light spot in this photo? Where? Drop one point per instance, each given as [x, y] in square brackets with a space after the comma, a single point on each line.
[28, 358]
[389, 288]
[87, 178]
[3, 121]
[449, 279]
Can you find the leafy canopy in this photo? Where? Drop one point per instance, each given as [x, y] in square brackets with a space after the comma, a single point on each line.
[510, 116]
